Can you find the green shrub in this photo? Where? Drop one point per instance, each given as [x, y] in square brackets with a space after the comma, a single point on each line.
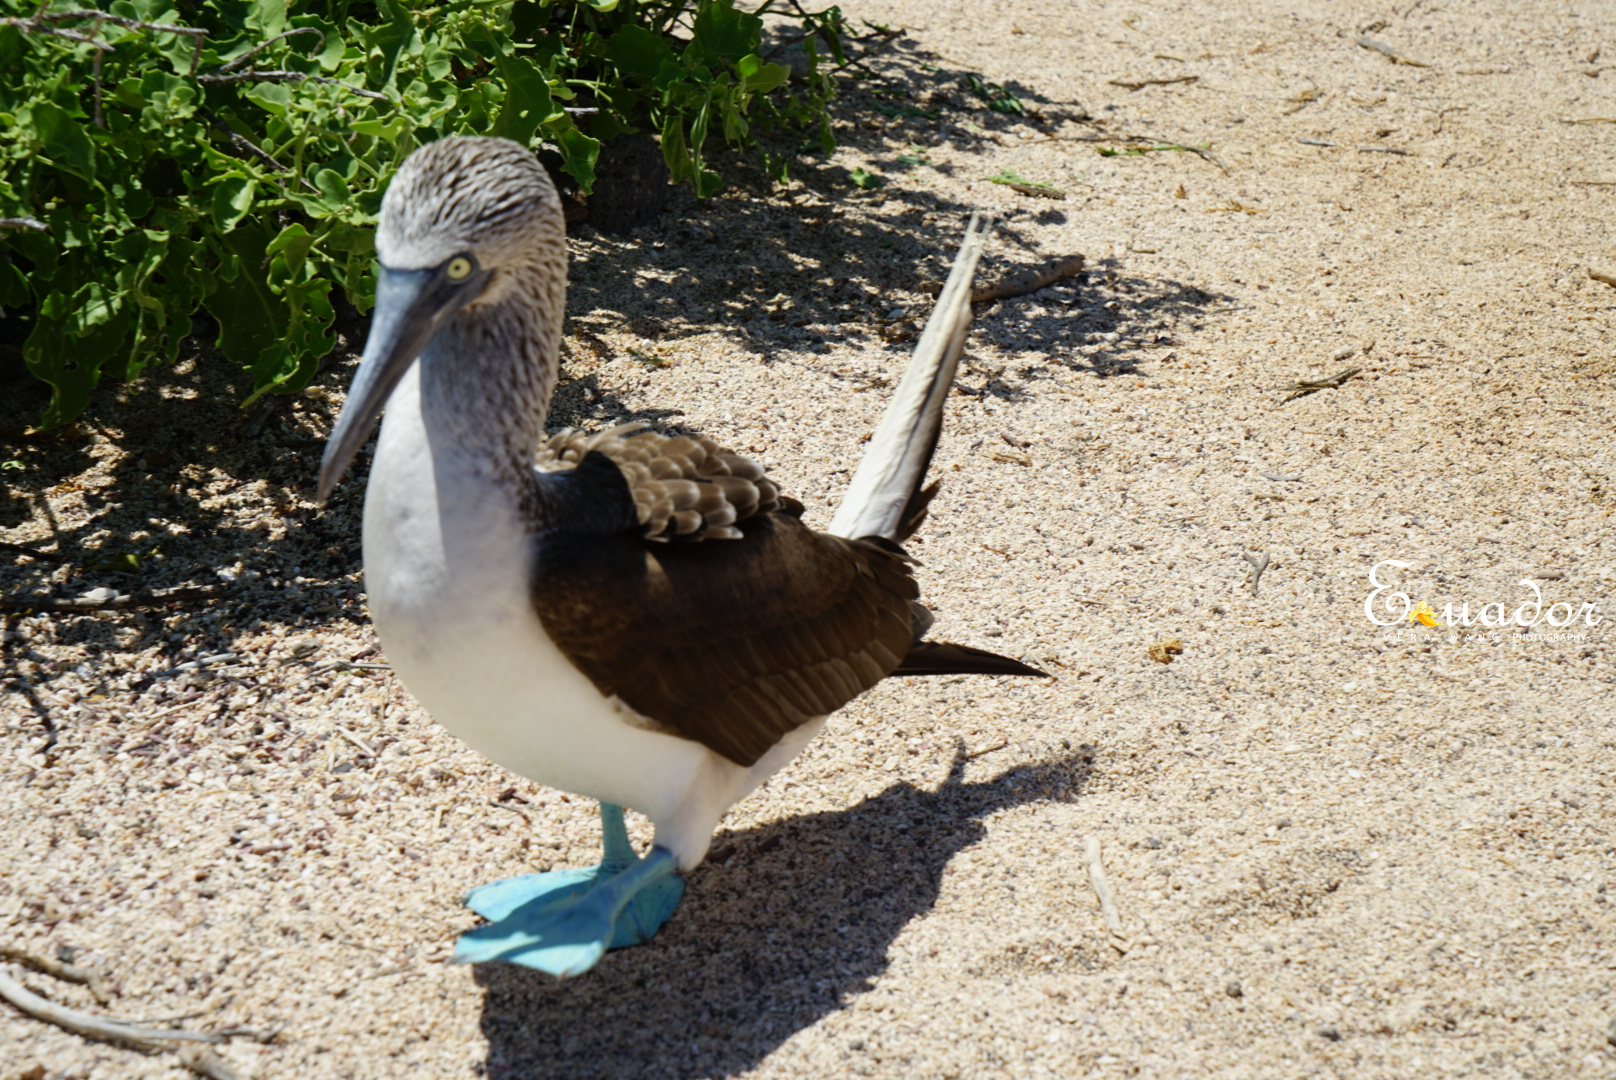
[231, 155]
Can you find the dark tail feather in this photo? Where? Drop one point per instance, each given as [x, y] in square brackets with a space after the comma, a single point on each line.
[943, 658]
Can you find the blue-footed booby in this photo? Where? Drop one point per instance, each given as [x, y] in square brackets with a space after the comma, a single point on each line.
[638, 618]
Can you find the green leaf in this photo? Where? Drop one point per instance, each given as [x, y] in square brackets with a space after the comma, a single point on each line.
[157, 208]
[527, 100]
[232, 199]
[392, 41]
[65, 143]
[292, 245]
[634, 50]
[996, 96]
[67, 352]
[865, 179]
[288, 364]
[334, 188]
[249, 313]
[275, 98]
[720, 30]
[758, 77]
[330, 51]
[389, 129]
[14, 290]
[674, 150]
[578, 155]
[266, 18]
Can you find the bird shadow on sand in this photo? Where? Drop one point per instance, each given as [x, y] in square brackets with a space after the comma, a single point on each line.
[781, 927]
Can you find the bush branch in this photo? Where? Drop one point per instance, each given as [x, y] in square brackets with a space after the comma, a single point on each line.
[37, 24]
[261, 46]
[287, 76]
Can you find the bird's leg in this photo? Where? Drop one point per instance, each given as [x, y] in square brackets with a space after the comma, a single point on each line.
[616, 850]
[565, 920]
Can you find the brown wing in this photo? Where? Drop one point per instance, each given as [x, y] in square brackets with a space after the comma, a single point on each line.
[684, 486]
[732, 643]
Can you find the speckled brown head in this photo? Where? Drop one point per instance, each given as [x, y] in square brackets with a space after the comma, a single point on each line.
[472, 244]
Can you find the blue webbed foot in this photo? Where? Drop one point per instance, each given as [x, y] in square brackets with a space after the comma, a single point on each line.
[564, 921]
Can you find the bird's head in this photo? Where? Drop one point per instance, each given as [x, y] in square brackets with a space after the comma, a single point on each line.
[464, 223]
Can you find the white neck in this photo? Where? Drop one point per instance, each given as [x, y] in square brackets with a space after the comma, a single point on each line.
[444, 528]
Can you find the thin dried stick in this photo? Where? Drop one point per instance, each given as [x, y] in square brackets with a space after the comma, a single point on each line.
[92, 1027]
[1600, 275]
[1040, 191]
[364, 747]
[139, 599]
[1387, 51]
[24, 223]
[1142, 83]
[1257, 568]
[1204, 155]
[56, 969]
[204, 1062]
[1102, 888]
[1304, 387]
[1030, 281]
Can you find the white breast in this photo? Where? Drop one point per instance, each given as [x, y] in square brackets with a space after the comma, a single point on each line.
[447, 567]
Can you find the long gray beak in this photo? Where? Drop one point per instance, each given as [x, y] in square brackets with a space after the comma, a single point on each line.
[411, 307]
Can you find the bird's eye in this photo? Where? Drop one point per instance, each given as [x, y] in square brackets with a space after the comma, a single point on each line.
[459, 267]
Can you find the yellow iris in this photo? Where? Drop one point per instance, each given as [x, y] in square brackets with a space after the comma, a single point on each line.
[459, 267]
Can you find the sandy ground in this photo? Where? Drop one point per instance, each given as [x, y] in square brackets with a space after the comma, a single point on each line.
[1337, 848]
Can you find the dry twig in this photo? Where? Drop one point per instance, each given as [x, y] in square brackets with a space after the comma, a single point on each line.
[1387, 51]
[1020, 283]
[24, 223]
[1140, 84]
[1040, 191]
[1030, 280]
[204, 1062]
[1304, 387]
[1600, 275]
[92, 1027]
[1257, 568]
[248, 147]
[56, 969]
[139, 599]
[1102, 890]
[262, 45]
